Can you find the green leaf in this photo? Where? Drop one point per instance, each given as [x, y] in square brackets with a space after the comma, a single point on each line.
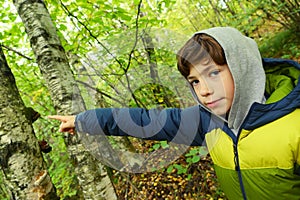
[156, 146]
[164, 144]
[195, 159]
[170, 169]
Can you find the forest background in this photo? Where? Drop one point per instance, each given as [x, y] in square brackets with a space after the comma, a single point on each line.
[63, 57]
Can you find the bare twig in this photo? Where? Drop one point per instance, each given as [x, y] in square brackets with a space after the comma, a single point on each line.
[90, 32]
[99, 91]
[132, 51]
[15, 51]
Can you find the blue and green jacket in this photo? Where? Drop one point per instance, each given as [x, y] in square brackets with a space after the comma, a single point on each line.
[260, 161]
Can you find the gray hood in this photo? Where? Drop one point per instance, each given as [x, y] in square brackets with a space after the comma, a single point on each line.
[245, 63]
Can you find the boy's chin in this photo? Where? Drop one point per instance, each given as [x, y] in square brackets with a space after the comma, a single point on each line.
[220, 113]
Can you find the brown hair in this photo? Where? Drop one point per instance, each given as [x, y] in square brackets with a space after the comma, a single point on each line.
[201, 47]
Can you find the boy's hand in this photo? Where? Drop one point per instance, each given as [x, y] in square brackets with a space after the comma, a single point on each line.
[67, 123]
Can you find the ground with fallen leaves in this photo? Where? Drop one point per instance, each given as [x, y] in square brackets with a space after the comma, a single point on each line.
[198, 182]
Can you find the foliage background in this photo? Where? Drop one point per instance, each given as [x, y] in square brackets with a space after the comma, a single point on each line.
[99, 38]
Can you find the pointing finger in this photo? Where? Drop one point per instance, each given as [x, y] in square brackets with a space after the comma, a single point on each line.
[57, 117]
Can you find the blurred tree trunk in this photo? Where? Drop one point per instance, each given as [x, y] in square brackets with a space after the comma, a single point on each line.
[149, 48]
[22, 163]
[53, 63]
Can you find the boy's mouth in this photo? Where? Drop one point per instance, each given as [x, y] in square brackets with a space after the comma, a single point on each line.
[212, 104]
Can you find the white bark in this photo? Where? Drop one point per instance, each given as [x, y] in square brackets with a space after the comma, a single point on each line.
[66, 97]
[21, 160]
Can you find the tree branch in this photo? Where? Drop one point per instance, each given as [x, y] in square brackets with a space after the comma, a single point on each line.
[15, 51]
[90, 32]
[99, 91]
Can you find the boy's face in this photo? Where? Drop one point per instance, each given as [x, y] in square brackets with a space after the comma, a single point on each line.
[214, 86]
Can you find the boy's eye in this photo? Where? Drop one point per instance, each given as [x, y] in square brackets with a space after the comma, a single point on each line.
[214, 73]
[194, 82]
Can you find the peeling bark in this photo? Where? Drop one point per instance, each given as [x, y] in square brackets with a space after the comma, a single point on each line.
[65, 94]
[24, 170]
[50, 55]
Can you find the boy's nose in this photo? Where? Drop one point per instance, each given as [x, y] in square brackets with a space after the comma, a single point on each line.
[205, 89]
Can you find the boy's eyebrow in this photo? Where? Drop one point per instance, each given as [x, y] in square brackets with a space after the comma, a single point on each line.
[201, 71]
[191, 77]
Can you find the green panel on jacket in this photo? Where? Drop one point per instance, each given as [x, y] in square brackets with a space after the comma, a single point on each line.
[268, 157]
[260, 183]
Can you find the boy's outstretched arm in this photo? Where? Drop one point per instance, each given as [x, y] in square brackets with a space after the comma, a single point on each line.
[67, 123]
[176, 125]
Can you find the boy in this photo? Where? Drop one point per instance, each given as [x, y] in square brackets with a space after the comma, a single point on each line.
[248, 115]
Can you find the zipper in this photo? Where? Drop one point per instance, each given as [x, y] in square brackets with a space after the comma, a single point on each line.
[238, 169]
[235, 150]
[236, 155]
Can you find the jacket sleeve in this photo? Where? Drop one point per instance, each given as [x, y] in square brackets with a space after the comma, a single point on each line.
[174, 125]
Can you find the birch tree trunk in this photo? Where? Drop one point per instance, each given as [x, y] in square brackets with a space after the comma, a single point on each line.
[53, 63]
[24, 170]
